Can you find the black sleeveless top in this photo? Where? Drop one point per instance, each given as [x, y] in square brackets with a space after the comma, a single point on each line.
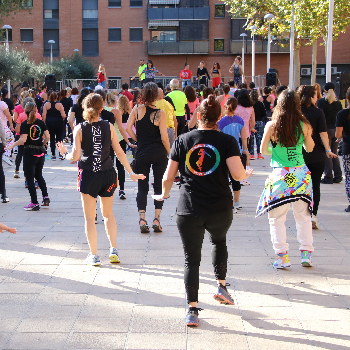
[149, 141]
[125, 117]
[95, 146]
[53, 114]
[266, 103]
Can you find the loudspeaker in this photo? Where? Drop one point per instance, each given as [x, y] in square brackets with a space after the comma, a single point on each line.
[271, 79]
[342, 84]
[50, 81]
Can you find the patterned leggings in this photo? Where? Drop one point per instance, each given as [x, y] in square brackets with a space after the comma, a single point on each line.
[346, 165]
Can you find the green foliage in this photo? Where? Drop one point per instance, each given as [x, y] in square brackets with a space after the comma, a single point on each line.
[311, 17]
[8, 7]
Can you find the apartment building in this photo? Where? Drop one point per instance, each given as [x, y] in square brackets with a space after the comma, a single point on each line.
[118, 33]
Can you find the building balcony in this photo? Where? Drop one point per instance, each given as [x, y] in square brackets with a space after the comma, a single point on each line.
[179, 13]
[197, 47]
[260, 46]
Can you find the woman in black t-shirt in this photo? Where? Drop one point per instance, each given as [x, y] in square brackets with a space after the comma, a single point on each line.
[97, 177]
[67, 104]
[343, 131]
[202, 74]
[204, 158]
[32, 132]
[260, 114]
[315, 160]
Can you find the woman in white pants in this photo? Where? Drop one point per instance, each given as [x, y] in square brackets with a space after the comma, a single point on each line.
[290, 180]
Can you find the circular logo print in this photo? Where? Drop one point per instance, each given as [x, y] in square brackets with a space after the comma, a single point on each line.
[35, 132]
[202, 159]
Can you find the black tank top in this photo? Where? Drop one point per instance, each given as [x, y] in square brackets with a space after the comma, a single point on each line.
[149, 141]
[95, 146]
[125, 117]
[53, 114]
[266, 103]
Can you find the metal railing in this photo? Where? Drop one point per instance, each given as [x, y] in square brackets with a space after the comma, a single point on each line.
[260, 46]
[177, 47]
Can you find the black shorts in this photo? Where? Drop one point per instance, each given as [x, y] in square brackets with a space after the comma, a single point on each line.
[100, 183]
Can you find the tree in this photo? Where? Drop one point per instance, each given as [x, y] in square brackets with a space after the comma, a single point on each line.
[311, 20]
[8, 7]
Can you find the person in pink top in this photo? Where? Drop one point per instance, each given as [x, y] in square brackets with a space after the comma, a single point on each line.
[192, 99]
[223, 98]
[186, 76]
[245, 110]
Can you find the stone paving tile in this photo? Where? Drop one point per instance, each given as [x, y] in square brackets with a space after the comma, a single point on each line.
[161, 341]
[96, 341]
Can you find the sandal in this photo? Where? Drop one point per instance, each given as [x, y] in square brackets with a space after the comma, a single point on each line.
[156, 227]
[144, 227]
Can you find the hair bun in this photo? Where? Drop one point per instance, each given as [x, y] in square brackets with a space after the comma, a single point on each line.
[211, 100]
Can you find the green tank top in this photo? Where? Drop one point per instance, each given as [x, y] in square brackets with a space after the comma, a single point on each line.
[288, 156]
[120, 137]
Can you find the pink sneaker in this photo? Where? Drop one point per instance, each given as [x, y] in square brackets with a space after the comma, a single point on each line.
[32, 207]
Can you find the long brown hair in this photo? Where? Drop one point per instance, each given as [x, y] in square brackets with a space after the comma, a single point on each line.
[306, 93]
[209, 111]
[287, 118]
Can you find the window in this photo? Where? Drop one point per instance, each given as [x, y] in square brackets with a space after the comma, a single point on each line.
[26, 35]
[27, 3]
[136, 3]
[194, 30]
[90, 42]
[90, 9]
[49, 14]
[164, 35]
[136, 34]
[238, 27]
[219, 11]
[3, 35]
[114, 34]
[219, 45]
[51, 34]
[114, 3]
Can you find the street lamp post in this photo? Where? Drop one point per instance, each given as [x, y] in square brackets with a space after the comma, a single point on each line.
[7, 27]
[243, 51]
[269, 17]
[253, 28]
[291, 50]
[329, 42]
[51, 42]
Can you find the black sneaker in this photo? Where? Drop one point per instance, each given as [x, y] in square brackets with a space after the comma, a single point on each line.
[223, 296]
[46, 202]
[326, 181]
[347, 209]
[338, 180]
[191, 318]
[122, 195]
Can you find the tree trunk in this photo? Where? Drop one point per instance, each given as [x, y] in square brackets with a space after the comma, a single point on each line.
[314, 62]
[296, 70]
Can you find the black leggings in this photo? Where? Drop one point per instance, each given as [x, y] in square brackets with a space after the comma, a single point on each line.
[120, 167]
[192, 230]
[2, 179]
[19, 156]
[33, 168]
[236, 185]
[181, 123]
[55, 130]
[143, 165]
[316, 170]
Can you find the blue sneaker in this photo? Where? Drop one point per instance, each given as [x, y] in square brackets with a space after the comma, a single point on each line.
[191, 318]
[113, 255]
[306, 258]
[223, 296]
[93, 260]
[282, 261]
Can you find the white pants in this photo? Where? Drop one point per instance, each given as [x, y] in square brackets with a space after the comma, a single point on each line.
[277, 219]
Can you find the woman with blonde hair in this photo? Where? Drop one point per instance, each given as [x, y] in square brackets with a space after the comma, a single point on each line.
[318, 90]
[97, 177]
[331, 106]
[102, 76]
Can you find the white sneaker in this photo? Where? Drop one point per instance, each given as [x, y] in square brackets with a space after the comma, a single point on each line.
[238, 205]
[245, 183]
[314, 222]
[93, 260]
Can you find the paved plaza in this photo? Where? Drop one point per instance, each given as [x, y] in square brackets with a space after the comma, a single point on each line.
[50, 300]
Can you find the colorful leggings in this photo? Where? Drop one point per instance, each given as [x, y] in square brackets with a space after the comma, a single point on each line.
[346, 165]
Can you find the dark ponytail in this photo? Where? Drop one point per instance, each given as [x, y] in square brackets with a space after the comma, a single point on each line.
[209, 111]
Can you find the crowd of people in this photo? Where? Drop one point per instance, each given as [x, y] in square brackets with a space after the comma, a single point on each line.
[203, 140]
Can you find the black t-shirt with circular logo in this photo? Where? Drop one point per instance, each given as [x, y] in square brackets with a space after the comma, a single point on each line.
[202, 155]
[35, 131]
